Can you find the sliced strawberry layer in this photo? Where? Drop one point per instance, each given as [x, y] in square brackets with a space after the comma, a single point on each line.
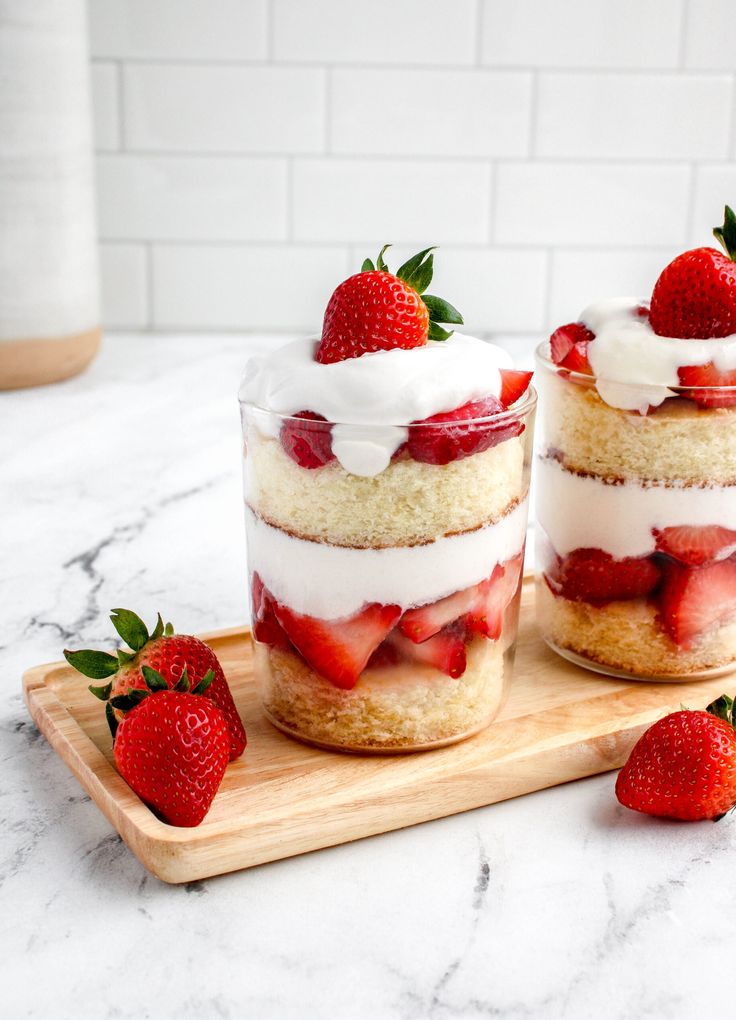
[591, 575]
[309, 445]
[421, 623]
[452, 435]
[694, 546]
[266, 628]
[445, 651]
[569, 347]
[486, 616]
[338, 649]
[513, 385]
[694, 599]
[708, 375]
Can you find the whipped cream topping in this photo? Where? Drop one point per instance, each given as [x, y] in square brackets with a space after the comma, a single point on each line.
[636, 368]
[329, 581]
[583, 512]
[381, 392]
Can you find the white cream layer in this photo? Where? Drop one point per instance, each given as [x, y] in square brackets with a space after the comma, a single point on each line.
[634, 367]
[381, 392]
[330, 581]
[582, 512]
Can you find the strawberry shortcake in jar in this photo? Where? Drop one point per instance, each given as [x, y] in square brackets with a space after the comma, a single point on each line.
[386, 475]
[636, 506]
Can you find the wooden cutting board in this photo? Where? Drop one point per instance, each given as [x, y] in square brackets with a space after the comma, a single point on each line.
[283, 798]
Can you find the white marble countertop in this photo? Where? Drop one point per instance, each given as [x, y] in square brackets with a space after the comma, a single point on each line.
[122, 487]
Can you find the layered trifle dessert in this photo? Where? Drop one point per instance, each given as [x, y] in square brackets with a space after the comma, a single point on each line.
[386, 476]
[637, 476]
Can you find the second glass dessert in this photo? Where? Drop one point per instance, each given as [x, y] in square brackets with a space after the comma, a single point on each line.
[636, 483]
[386, 519]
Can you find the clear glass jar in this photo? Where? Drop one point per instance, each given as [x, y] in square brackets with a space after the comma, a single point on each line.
[636, 528]
[385, 604]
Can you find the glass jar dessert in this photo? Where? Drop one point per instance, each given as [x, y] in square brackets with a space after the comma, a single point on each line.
[636, 478]
[386, 506]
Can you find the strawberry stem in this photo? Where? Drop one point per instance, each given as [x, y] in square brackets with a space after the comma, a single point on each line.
[726, 235]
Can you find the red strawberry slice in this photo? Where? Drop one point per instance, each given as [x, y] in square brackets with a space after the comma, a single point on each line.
[256, 596]
[708, 375]
[513, 385]
[421, 623]
[694, 599]
[569, 347]
[384, 655]
[445, 651]
[694, 546]
[452, 435]
[309, 445]
[590, 575]
[486, 616]
[338, 649]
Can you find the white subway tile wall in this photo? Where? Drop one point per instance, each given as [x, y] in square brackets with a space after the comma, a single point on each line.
[252, 152]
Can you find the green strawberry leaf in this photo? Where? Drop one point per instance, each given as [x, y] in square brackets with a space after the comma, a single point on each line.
[137, 695]
[169, 629]
[125, 657]
[438, 333]
[130, 627]
[123, 702]
[96, 665]
[367, 266]
[103, 693]
[112, 720]
[154, 680]
[422, 278]
[441, 310]
[380, 264]
[409, 268]
[726, 235]
[183, 684]
[722, 708]
[204, 682]
[158, 629]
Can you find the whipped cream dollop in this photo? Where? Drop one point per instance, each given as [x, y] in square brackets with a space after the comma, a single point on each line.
[372, 398]
[635, 368]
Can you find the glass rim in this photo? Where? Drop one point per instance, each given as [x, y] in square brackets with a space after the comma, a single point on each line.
[517, 412]
[542, 356]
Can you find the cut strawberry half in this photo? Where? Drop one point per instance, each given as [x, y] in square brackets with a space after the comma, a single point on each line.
[513, 385]
[453, 435]
[708, 375]
[591, 575]
[694, 546]
[338, 649]
[425, 621]
[486, 616]
[694, 599]
[569, 347]
[445, 651]
[310, 445]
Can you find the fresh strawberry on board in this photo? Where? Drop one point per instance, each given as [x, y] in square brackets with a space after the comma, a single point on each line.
[310, 445]
[338, 649]
[454, 435]
[172, 748]
[169, 654]
[695, 545]
[694, 599]
[591, 575]
[695, 295]
[684, 766]
[376, 310]
[569, 347]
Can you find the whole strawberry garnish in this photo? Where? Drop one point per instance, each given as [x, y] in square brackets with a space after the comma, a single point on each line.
[172, 749]
[684, 766]
[172, 655]
[377, 310]
[695, 295]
